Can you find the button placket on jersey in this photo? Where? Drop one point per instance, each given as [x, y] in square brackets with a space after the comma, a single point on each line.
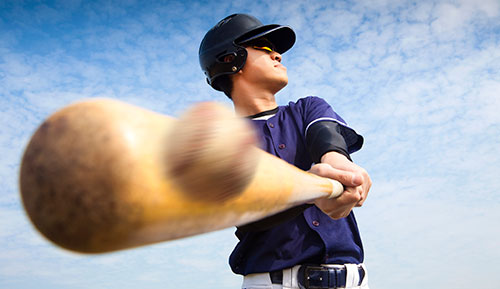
[312, 218]
[274, 132]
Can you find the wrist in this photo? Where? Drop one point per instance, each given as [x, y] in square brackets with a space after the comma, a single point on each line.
[333, 157]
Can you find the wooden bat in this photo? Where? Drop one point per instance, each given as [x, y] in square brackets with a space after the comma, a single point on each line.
[101, 175]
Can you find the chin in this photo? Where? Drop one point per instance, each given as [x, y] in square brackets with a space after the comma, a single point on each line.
[280, 85]
[284, 81]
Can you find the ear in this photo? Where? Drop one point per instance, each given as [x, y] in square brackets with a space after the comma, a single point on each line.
[236, 76]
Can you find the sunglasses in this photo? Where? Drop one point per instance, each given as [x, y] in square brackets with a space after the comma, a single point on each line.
[263, 44]
[263, 48]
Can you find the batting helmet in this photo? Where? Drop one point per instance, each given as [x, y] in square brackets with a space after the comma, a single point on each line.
[228, 38]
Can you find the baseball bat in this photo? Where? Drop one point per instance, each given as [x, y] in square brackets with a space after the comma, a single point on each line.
[101, 175]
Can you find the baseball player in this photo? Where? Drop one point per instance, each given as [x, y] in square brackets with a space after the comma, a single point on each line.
[310, 246]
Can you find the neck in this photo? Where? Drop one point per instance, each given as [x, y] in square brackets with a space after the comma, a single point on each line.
[246, 103]
[253, 104]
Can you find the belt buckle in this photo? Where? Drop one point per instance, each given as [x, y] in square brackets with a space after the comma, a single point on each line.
[321, 277]
[313, 277]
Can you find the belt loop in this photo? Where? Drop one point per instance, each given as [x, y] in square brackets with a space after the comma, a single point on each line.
[352, 278]
[287, 278]
[295, 275]
[290, 280]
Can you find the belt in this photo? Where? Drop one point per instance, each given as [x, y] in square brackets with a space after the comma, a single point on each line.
[320, 276]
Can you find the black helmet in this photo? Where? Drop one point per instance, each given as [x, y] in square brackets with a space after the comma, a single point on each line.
[228, 36]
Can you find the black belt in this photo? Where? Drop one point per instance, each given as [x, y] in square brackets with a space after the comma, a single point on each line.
[319, 277]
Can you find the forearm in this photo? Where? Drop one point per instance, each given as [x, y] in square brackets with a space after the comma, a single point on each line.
[340, 161]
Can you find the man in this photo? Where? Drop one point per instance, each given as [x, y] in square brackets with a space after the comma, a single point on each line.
[309, 246]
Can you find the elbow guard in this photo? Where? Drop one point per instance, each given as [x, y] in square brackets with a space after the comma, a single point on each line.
[323, 137]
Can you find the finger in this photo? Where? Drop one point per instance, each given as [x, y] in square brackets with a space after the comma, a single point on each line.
[364, 193]
[350, 197]
[347, 178]
[366, 188]
[361, 202]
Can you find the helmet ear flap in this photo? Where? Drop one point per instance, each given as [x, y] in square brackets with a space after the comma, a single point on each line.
[227, 63]
[229, 58]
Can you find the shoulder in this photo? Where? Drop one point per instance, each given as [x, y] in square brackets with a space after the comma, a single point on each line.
[307, 101]
[308, 105]
[313, 107]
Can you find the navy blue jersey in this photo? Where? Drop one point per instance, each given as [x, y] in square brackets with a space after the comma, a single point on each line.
[311, 237]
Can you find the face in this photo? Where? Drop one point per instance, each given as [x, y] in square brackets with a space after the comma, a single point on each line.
[263, 68]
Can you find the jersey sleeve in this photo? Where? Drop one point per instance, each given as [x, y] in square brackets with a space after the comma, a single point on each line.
[316, 110]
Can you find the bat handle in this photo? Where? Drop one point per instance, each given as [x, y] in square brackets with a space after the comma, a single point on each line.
[337, 189]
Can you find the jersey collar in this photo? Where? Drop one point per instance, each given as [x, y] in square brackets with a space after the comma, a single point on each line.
[264, 115]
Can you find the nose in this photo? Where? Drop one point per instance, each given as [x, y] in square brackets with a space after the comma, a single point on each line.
[276, 56]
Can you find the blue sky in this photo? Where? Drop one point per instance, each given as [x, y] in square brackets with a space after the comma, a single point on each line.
[419, 79]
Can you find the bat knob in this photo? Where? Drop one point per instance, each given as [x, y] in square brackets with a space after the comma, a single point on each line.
[337, 189]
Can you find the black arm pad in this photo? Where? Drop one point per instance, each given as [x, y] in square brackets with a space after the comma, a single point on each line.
[323, 137]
